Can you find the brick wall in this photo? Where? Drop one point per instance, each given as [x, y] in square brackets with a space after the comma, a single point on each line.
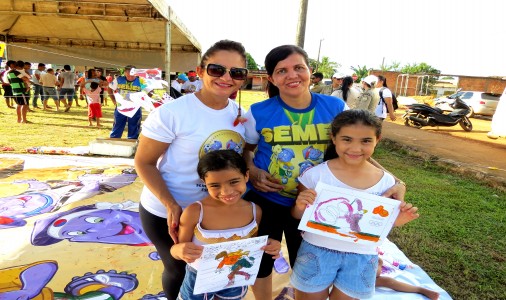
[467, 83]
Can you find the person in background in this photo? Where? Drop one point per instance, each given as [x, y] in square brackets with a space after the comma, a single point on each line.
[37, 87]
[20, 85]
[337, 81]
[225, 216]
[179, 82]
[24, 68]
[386, 106]
[67, 80]
[49, 83]
[94, 106]
[174, 136]
[347, 92]
[366, 99]
[192, 85]
[7, 86]
[125, 85]
[317, 83]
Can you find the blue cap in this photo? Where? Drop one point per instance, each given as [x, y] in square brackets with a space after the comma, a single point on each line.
[182, 76]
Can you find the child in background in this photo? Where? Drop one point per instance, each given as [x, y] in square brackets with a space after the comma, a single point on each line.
[220, 217]
[349, 267]
[94, 107]
[392, 283]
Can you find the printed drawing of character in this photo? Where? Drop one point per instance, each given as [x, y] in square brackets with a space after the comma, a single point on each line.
[237, 260]
[312, 154]
[281, 162]
[340, 208]
[237, 147]
[48, 196]
[106, 223]
[29, 282]
[107, 285]
[303, 166]
[215, 145]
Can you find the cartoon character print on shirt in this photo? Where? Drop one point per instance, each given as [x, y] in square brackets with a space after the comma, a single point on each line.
[221, 140]
[295, 148]
[105, 223]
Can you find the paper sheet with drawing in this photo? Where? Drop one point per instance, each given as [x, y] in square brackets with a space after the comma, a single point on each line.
[228, 264]
[349, 215]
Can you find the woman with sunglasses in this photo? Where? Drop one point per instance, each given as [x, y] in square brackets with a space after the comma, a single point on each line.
[285, 135]
[174, 137]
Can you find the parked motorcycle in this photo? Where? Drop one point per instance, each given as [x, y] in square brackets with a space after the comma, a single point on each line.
[421, 115]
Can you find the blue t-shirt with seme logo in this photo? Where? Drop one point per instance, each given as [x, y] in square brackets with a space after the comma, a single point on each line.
[290, 140]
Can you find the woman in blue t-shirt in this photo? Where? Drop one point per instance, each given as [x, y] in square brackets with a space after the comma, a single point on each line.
[285, 135]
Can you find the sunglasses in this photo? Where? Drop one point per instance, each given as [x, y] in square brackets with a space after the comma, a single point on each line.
[215, 70]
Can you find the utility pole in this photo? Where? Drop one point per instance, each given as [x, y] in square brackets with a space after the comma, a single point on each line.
[318, 59]
[301, 25]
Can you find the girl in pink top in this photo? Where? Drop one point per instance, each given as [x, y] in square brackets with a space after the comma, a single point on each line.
[94, 107]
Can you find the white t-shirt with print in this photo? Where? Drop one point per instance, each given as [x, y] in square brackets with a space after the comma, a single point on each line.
[322, 173]
[192, 129]
[381, 109]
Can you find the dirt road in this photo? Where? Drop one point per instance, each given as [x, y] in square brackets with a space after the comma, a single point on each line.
[468, 152]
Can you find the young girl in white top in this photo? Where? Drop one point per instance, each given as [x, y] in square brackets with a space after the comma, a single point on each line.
[222, 216]
[94, 106]
[322, 262]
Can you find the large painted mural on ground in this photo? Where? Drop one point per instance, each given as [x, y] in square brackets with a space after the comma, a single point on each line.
[70, 229]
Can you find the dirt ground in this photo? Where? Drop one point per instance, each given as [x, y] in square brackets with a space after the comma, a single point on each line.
[466, 152]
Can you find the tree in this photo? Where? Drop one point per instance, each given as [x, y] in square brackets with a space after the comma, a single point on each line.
[422, 69]
[250, 62]
[361, 72]
[394, 66]
[326, 66]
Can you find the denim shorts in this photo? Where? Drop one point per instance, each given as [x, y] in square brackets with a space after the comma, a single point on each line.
[186, 291]
[317, 268]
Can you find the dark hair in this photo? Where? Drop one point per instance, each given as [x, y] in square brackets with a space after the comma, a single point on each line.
[66, 67]
[221, 160]
[90, 72]
[27, 63]
[345, 87]
[347, 118]
[223, 45]
[10, 62]
[41, 65]
[318, 75]
[275, 56]
[93, 85]
[383, 79]
[20, 63]
[50, 70]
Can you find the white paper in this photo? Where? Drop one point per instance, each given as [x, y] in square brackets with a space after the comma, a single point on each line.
[228, 264]
[349, 215]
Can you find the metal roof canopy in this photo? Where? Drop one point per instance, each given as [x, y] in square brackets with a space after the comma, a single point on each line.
[97, 33]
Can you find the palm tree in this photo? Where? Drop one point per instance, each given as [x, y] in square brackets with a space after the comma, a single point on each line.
[326, 67]
[361, 72]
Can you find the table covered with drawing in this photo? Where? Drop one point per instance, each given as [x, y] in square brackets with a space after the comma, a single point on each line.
[70, 229]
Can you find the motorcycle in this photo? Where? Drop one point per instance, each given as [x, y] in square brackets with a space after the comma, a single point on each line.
[421, 115]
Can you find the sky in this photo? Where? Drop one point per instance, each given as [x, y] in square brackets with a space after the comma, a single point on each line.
[458, 37]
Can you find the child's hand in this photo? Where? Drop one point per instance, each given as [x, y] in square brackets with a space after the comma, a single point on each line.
[408, 213]
[188, 252]
[305, 198]
[273, 247]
